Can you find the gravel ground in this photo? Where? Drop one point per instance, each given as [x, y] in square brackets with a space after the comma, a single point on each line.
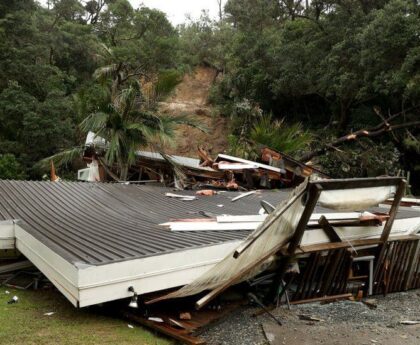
[343, 322]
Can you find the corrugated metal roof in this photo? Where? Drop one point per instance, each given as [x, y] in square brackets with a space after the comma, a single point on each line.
[102, 223]
[96, 223]
[183, 161]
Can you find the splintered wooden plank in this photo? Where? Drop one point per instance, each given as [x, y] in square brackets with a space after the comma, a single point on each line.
[323, 299]
[414, 256]
[329, 230]
[178, 334]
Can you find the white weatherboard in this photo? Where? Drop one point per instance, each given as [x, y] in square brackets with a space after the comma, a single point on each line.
[85, 285]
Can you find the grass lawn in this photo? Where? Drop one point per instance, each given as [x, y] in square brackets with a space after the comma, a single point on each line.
[24, 323]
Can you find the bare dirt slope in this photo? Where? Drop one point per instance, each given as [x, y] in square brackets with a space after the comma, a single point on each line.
[190, 98]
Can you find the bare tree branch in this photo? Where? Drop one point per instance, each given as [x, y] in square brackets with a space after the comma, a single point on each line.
[381, 128]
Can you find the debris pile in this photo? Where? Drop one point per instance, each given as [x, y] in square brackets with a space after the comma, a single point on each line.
[275, 170]
[175, 256]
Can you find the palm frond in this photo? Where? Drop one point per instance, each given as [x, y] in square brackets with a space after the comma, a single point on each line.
[178, 170]
[107, 50]
[95, 122]
[279, 136]
[64, 157]
[143, 130]
[127, 99]
[105, 72]
[183, 120]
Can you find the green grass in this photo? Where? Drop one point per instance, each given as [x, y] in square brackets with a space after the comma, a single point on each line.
[24, 323]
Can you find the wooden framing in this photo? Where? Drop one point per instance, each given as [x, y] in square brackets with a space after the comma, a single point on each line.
[313, 190]
[402, 184]
[328, 229]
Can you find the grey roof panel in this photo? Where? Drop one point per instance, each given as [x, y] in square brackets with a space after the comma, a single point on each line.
[96, 223]
[103, 223]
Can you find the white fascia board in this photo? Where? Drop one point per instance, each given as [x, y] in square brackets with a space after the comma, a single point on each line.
[401, 227]
[247, 222]
[7, 243]
[7, 234]
[104, 283]
[60, 272]
[245, 161]
[337, 215]
[85, 285]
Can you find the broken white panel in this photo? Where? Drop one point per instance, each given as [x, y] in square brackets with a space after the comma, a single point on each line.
[401, 227]
[274, 232]
[243, 195]
[314, 217]
[183, 161]
[247, 222]
[239, 219]
[356, 199]
[93, 175]
[245, 161]
[83, 174]
[94, 140]
[182, 197]
[225, 166]
[212, 226]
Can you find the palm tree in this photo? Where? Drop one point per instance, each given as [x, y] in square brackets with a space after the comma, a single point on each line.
[127, 126]
[125, 119]
[276, 134]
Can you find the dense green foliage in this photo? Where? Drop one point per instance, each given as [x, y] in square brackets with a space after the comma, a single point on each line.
[55, 63]
[326, 66]
[10, 169]
[319, 68]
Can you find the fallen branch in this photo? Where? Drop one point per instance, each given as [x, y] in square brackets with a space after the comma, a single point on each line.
[381, 128]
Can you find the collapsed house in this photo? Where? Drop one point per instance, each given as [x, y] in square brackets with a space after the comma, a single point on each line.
[102, 242]
[273, 170]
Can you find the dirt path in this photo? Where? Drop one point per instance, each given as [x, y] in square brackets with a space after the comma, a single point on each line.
[190, 98]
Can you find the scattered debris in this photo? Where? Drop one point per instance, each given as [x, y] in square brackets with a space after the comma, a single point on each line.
[260, 304]
[206, 192]
[15, 266]
[331, 252]
[49, 313]
[309, 318]
[130, 326]
[243, 195]
[371, 303]
[409, 322]
[181, 197]
[14, 299]
[323, 299]
[185, 316]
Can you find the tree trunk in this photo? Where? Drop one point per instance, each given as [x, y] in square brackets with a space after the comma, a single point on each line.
[220, 4]
[342, 123]
[124, 172]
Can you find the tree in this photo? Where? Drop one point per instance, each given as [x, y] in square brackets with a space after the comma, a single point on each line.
[10, 169]
[127, 125]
